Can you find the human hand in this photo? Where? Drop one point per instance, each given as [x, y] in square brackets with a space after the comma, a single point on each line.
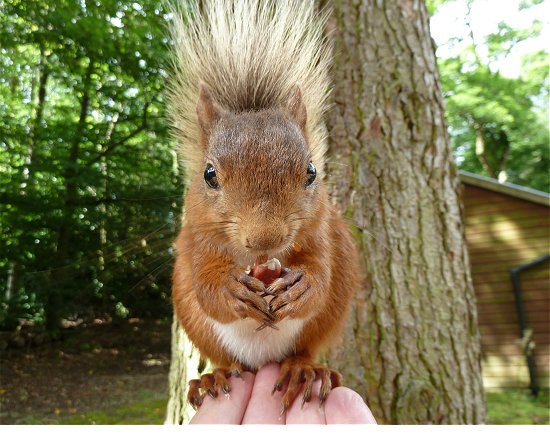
[251, 402]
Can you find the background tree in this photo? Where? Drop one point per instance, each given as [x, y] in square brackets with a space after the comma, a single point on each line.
[412, 343]
[89, 185]
[498, 124]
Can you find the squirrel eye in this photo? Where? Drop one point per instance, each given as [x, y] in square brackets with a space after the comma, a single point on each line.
[311, 174]
[210, 177]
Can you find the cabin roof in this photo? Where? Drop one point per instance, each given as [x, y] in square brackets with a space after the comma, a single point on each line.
[511, 189]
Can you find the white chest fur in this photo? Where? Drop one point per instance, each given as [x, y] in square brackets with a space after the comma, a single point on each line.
[256, 348]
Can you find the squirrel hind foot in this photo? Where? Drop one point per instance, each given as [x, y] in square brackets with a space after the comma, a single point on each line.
[211, 384]
[299, 373]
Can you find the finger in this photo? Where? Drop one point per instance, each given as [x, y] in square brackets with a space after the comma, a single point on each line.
[310, 413]
[264, 408]
[275, 307]
[227, 408]
[344, 406]
[288, 279]
[253, 301]
[293, 295]
[244, 310]
[252, 283]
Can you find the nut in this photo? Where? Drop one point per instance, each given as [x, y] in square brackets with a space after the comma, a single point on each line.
[266, 270]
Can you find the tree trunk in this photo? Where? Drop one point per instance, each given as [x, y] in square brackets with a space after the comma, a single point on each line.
[185, 362]
[184, 366]
[26, 187]
[412, 344]
[60, 274]
[43, 75]
[103, 209]
[13, 281]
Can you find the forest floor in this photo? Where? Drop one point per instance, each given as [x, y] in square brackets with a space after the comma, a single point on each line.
[106, 372]
[117, 373]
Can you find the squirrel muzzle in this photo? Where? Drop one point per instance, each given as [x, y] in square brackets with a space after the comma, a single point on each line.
[269, 237]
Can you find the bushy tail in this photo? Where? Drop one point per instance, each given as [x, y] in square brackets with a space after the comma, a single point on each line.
[251, 54]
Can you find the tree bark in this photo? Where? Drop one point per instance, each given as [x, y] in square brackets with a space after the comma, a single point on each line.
[184, 366]
[411, 346]
[185, 363]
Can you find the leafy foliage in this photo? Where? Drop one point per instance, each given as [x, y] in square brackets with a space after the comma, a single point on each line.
[498, 124]
[89, 187]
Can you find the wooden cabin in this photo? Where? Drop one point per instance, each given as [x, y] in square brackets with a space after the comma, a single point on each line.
[507, 226]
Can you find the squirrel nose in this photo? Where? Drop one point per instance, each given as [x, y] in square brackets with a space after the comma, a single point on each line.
[264, 240]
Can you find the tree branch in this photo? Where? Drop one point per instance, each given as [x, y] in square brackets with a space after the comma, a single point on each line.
[112, 145]
[468, 22]
[481, 153]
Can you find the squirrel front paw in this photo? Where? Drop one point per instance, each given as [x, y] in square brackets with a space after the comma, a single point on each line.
[292, 293]
[243, 294]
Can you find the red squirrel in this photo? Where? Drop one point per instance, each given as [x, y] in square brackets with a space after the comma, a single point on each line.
[247, 105]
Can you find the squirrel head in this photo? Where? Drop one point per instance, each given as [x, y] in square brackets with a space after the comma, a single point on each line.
[259, 183]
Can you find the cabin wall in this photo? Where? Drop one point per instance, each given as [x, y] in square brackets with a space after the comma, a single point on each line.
[503, 232]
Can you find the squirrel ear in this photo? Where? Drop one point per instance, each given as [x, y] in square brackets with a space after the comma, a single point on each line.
[208, 111]
[297, 108]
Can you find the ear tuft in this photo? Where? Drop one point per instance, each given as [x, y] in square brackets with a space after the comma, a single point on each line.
[297, 108]
[208, 111]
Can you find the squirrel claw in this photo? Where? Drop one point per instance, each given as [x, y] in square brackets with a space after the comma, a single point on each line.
[193, 395]
[252, 309]
[267, 323]
[287, 280]
[211, 384]
[235, 370]
[301, 372]
[276, 309]
[278, 386]
[329, 380]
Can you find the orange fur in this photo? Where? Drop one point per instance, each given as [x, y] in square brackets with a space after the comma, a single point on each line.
[260, 160]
